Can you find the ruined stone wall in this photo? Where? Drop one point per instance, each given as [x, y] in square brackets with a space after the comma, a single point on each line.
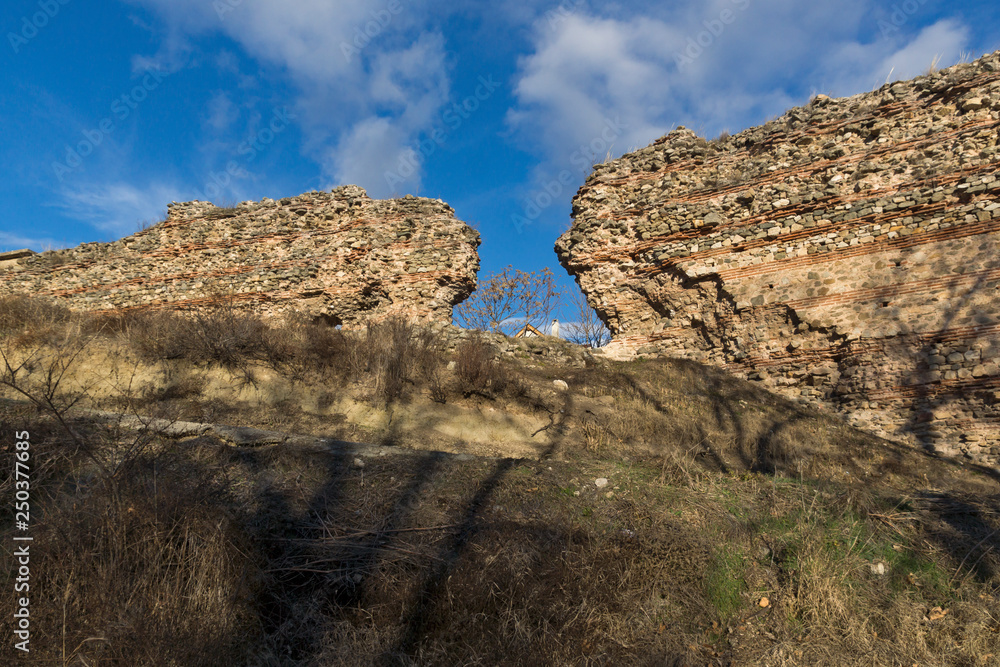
[847, 253]
[338, 255]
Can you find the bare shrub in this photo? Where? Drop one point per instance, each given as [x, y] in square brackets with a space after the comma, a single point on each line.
[323, 345]
[154, 335]
[40, 373]
[394, 353]
[230, 337]
[134, 569]
[474, 363]
[506, 301]
[386, 348]
[29, 321]
[47, 451]
[307, 351]
[222, 334]
[142, 545]
[177, 388]
[437, 386]
[480, 372]
[588, 329]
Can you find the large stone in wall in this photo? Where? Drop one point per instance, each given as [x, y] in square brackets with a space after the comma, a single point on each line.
[847, 253]
[338, 255]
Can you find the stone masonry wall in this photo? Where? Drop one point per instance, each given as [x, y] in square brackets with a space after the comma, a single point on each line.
[847, 253]
[337, 255]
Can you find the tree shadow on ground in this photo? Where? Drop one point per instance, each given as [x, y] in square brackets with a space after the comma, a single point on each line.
[432, 589]
[312, 578]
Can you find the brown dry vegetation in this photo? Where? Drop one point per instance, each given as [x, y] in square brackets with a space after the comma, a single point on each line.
[151, 550]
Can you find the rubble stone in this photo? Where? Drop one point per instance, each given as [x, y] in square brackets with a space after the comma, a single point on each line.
[847, 252]
[337, 256]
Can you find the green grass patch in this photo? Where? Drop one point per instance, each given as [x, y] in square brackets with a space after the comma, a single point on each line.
[725, 582]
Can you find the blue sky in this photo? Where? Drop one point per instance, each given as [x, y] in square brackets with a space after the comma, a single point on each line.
[110, 110]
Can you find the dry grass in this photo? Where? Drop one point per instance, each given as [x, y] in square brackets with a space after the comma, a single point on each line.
[224, 335]
[150, 551]
[144, 569]
[26, 322]
[395, 355]
[479, 370]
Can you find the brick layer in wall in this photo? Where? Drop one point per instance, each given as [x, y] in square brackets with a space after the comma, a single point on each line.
[337, 255]
[847, 253]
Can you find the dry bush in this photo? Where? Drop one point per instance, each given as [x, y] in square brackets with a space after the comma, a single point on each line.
[588, 328]
[479, 371]
[40, 374]
[222, 334]
[306, 351]
[155, 335]
[394, 354]
[231, 337]
[178, 386]
[506, 301]
[475, 362]
[30, 321]
[387, 360]
[140, 547]
[323, 346]
[49, 453]
[146, 568]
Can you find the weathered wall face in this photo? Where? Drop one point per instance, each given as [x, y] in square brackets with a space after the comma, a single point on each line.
[336, 254]
[847, 253]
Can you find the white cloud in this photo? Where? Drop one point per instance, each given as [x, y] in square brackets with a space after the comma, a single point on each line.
[304, 37]
[710, 66]
[119, 208]
[10, 242]
[412, 85]
[863, 67]
[373, 147]
[364, 99]
[591, 70]
[222, 113]
[357, 65]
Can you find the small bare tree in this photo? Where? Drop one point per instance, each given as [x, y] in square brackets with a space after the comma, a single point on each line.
[589, 330]
[508, 300]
